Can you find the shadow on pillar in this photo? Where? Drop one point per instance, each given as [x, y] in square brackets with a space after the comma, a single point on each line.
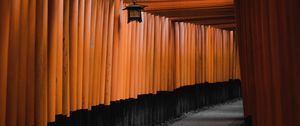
[248, 121]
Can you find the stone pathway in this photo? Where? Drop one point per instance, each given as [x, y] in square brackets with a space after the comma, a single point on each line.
[229, 114]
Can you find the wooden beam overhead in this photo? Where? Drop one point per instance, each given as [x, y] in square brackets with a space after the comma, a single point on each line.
[181, 4]
[206, 12]
[191, 19]
[212, 21]
[226, 10]
[230, 26]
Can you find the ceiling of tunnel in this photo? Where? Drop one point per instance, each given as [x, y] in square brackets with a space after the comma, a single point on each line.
[218, 13]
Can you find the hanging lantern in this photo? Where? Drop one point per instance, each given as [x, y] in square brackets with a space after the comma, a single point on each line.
[135, 12]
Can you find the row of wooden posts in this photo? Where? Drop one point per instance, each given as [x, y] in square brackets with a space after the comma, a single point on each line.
[59, 56]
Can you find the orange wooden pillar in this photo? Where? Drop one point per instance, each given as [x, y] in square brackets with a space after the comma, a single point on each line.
[73, 54]
[98, 38]
[197, 55]
[109, 56]
[13, 64]
[86, 54]
[94, 16]
[41, 63]
[23, 51]
[182, 54]
[136, 60]
[138, 69]
[171, 56]
[53, 23]
[193, 55]
[162, 54]
[202, 45]
[143, 41]
[128, 59]
[123, 56]
[59, 67]
[30, 94]
[177, 51]
[132, 60]
[269, 60]
[5, 11]
[116, 84]
[187, 53]
[157, 54]
[137, 72]
[66, 59]
[101, 49]
[81, 19]
[151, 48]
[101, 44]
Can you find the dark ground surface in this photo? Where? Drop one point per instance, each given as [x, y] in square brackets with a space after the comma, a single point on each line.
[228, 114]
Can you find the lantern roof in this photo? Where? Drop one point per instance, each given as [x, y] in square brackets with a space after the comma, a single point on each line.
[135, 6]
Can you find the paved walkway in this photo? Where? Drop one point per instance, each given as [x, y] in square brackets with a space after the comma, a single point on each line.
[229, 114]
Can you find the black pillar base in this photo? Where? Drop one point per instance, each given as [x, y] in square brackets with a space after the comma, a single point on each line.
[150, 109]
[248, 121]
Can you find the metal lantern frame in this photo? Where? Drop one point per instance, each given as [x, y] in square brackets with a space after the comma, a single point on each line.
[135, 9]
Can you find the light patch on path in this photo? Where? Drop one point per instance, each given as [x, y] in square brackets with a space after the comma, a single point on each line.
[230, 114]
